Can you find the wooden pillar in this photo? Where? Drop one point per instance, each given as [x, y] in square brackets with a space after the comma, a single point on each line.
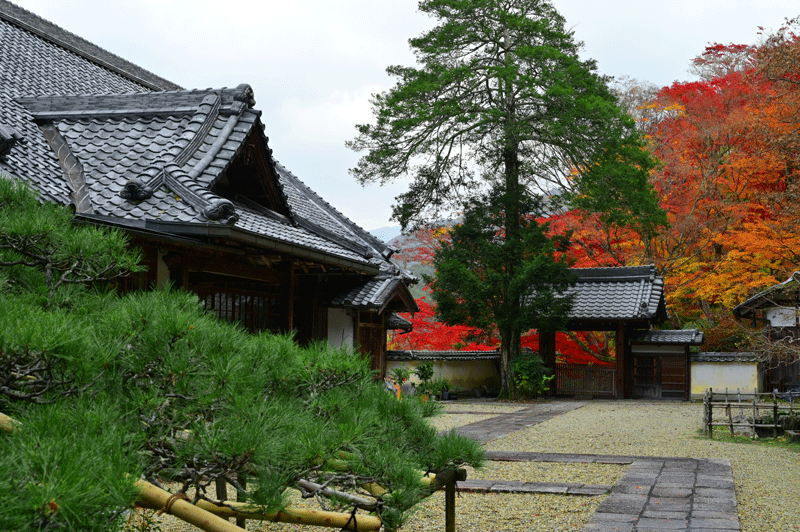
[292, 294]
[621, 374]
[688, 394]
[450, 507]
[547, 350]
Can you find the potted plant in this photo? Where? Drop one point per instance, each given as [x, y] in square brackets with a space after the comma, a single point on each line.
[400, 376]
[424, 373]
[440, 387]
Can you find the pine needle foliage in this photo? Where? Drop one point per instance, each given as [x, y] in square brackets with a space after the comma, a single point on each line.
[500, 100]
[107, 388]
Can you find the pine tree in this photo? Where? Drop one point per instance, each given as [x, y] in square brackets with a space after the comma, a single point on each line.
[106, 388]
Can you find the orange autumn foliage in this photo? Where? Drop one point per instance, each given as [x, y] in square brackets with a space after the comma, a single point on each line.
[729, 182]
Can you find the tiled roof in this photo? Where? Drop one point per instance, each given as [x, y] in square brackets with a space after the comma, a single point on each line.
[176, 143]
[33, 65]
[786, 293]
[9, 137]
[442, 355]
[745, 356]
[120, 143]
[375, 294]
[395, 322]
[50, 33]
[622, 293]
[673, 337]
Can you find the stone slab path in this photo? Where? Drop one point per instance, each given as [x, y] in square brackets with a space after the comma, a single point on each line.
[503, 424]
[670, 494]
[509, 486]
[654, 494]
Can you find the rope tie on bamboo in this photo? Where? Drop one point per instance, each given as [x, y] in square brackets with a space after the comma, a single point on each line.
[353, 519]
[174, 497]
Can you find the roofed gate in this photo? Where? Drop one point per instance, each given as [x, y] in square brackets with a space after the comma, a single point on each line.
[625, 301]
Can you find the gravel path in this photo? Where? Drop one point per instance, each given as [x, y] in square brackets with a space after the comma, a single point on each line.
[766, 477]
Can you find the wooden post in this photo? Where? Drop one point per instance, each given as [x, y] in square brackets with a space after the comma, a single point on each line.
[450, 507]
[292, 294]
[222, 490]
[730, 417]
[241, 521]
[621, 377]
[774, 416]
[448, 479]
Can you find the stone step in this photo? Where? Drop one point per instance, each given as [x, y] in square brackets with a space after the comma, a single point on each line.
[508, 486]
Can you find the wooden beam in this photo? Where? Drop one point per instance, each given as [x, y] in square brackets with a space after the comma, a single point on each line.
[235, 269]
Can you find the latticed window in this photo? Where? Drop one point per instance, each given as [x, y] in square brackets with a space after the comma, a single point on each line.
[257, 309]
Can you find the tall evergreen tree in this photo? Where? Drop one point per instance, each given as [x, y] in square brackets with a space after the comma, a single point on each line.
[501, 101]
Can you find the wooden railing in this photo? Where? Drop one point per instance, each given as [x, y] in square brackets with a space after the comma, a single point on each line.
[737, 409]
[577, 379]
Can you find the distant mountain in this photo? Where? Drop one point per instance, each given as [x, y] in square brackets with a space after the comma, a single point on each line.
[386, 233]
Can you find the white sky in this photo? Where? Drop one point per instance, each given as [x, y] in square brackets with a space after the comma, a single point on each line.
[313, 64]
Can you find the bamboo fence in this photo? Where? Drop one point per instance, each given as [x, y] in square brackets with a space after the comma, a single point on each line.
[746, 410]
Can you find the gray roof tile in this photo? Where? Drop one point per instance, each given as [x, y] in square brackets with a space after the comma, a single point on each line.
[673, 337]
[442, 355]
[622, 293]
[786, 293]
[707, 356]
[123, 123]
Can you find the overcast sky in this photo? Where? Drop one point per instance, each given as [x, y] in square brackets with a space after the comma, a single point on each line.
[313, 64]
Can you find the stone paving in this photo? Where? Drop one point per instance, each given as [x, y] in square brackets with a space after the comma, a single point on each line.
[670, 494]
[655, 494]
[503, 424]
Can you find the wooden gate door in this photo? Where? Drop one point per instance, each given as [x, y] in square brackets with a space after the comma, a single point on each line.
[659, 376]
[673, 377]
[646, 376]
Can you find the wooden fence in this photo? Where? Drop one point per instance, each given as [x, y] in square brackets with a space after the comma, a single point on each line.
[585, 379]
[751, 411]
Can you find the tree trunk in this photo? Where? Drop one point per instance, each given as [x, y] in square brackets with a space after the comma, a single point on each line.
[505, 360]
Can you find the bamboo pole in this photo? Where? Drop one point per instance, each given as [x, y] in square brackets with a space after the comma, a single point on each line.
[155, 498]
[300, 516]
[6, 423]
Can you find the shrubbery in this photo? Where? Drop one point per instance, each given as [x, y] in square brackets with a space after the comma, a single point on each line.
[530, 375]
[108, 388]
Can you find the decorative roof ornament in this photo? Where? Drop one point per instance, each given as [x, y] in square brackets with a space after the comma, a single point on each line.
[9, 137]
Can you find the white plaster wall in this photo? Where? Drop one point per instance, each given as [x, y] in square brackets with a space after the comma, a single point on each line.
[721, 375]
[340, 328]
[162, 271]
[782, 316]
[466, 374]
